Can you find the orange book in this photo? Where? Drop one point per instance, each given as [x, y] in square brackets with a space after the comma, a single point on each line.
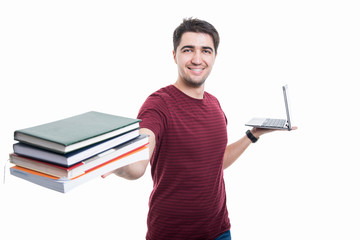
[34, 172]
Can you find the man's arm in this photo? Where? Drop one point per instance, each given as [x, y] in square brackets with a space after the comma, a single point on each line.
[136, 170]
[234, 150]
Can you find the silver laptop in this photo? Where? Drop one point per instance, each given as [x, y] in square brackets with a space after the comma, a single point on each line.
[274, 123]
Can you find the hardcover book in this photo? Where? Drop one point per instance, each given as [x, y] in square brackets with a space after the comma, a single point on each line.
[71, 158]
[76, 132]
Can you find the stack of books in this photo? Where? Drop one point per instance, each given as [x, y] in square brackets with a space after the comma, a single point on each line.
[63, 154]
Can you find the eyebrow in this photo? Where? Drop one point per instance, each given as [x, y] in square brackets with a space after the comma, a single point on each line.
[192, 47]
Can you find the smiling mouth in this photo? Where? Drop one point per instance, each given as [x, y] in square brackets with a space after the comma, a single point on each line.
[196, 69]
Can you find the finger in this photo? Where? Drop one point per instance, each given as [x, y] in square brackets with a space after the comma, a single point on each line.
[106, 174]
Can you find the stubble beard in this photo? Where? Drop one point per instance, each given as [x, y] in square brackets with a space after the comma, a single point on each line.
[194, 84]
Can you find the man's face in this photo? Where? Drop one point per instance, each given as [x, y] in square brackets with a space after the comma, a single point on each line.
[195, 57]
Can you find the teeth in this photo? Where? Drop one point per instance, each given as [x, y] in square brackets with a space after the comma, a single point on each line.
[196, 69]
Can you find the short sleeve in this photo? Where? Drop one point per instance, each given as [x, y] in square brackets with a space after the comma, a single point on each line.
[153, 115]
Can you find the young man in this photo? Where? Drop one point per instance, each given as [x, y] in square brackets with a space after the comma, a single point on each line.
[188, 145]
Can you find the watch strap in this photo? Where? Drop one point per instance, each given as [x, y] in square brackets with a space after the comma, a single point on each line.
[251, 136]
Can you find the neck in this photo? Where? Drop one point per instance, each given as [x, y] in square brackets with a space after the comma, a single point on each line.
[192, 91]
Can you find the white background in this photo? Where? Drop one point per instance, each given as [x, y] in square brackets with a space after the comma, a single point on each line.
[62, 58]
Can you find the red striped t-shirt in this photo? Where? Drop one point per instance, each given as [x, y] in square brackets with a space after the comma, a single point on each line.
[188, 200]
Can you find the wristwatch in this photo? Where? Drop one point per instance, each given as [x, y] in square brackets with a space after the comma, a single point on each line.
[251, 136]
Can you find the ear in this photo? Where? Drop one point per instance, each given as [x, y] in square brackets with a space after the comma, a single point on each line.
[174, 56]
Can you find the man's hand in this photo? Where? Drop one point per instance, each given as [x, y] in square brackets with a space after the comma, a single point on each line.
[257, 132]
[136, 170]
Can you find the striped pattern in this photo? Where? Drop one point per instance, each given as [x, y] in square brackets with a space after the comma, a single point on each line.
[188, 200]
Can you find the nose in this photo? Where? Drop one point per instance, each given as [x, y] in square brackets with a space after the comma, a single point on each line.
[196, 59]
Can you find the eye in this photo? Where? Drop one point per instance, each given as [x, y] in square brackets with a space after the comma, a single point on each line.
[187, 50]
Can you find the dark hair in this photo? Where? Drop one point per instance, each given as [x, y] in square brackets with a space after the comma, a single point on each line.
[198, 26]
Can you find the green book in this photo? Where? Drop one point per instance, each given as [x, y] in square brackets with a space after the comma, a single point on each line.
[76, 132]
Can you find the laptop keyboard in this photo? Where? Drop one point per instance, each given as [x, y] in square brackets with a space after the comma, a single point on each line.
[269, 122]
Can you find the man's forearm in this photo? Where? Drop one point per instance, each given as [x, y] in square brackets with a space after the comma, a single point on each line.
[132, 171]
[235, 150]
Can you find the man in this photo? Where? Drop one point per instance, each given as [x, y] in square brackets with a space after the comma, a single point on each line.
[188, 145]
